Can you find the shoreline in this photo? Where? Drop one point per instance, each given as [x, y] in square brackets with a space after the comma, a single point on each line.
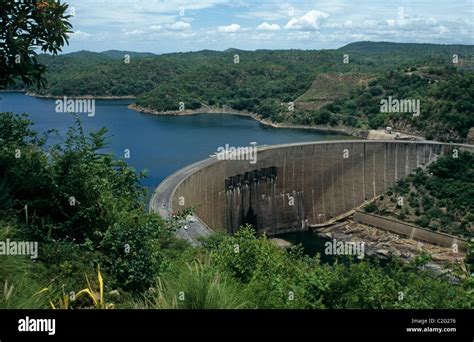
[368, 134]
[225, 110]
[83, 97]
[76, 97]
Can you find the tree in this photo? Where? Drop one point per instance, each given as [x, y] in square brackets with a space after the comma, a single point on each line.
[324, 116]
[24, 27]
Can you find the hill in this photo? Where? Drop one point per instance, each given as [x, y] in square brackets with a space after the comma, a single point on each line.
[370, 48]
[325, 89]
[328, 87]
[118, 54]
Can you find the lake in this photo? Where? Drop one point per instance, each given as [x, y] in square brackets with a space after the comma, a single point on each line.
[159, 144]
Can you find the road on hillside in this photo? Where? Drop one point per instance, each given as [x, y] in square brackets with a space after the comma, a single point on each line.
[161, 203]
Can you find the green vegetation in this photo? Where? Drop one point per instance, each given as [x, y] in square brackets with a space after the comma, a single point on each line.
[196, 285]
[20, 279]
[82, 207]
[22, 31]
[325, 90]
[440, 198]
[254, 273]
[88, 73]
[445, 95]
[385, 49]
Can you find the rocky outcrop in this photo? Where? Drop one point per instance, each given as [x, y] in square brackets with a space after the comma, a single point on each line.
[385, 245]
[470, 135]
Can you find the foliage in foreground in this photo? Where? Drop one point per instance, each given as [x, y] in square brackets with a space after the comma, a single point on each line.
[196, 286]
[82, 206]
[273, 278]
[248, 271]
[23, 31]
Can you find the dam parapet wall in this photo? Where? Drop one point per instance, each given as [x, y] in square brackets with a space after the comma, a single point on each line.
[295, 186]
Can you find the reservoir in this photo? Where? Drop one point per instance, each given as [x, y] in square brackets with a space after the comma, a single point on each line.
[159, 144]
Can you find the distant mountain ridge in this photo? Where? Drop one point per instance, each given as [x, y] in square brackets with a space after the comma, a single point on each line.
[119, 54]
[368, 47]
[108, 54]
[363, 47]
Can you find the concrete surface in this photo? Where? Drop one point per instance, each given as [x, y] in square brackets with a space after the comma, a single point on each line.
[291, 187]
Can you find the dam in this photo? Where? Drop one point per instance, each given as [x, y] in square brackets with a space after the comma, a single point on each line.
[293, 187]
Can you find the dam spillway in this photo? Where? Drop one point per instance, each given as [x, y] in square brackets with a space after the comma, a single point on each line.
[296, 186]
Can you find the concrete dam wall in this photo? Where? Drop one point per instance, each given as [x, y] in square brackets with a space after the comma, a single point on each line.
[293, 187]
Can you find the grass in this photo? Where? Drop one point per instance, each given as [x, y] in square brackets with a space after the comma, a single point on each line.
[19, 279]
[328, 87]
[195, 286]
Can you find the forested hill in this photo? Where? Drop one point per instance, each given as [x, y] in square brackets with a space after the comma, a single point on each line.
[342, 87]
[117, 54]
[369, 48]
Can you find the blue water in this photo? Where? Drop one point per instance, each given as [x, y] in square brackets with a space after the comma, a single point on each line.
[159, 144]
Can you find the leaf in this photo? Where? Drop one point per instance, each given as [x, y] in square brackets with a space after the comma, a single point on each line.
[101, 285]
[89, 293]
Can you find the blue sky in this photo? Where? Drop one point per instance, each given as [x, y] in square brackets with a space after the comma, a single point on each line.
[162, 26]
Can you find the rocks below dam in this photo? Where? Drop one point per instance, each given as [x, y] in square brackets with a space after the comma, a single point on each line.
[384, 245]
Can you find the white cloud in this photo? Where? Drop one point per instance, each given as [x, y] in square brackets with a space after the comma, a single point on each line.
[135, 32]
[391, 22]
[133, 24]
[412, 23]
[177, 34]
[178, 26]
[232, 28]
[303, 36]
[268, 27]
[170, 6]
[404, 28]
[346, 24]
[359, 36]
[311, 21]
[268, 10]
[370, 23]
[262, 36]
[80, 35]
[443, 29]
[264, 15]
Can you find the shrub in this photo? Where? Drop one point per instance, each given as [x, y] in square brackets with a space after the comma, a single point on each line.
[132, 247]
[273, 277]
[371, 208]
[423, 221]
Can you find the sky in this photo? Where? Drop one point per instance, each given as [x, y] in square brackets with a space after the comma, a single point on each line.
[163, 26]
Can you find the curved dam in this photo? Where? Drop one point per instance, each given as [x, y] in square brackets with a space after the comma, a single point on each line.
[292, 187]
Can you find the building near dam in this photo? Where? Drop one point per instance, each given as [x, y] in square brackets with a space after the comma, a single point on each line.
[296, 186]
